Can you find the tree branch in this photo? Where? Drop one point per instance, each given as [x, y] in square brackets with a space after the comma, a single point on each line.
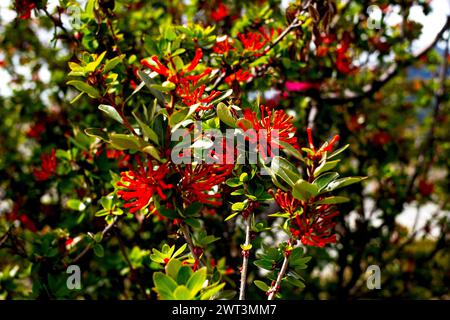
[273, 291]
[245, 256]
[372, 88]
[89, 246]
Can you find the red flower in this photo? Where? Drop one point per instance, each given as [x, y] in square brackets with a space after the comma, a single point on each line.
[326, 147]
[190, 94]
[170, 71]
[220, 13]
[276, 123]
[36, 130]
[343, 62]
[222, 47]
[122, 158]
[48, 166]
[239, 76]
[380, 138]
[313, 227]
[198, 181]
[286, 201]
[24, 7]
[140, 185]
[255, 41]
[426, 188]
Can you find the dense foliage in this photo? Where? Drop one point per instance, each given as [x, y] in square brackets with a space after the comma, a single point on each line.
[222, 150]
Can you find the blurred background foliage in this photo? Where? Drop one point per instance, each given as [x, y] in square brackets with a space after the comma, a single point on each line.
[384, 97]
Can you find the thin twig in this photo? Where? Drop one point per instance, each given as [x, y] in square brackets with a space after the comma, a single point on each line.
[429, 139]
[89, 246]
[245, 258]
[370, 89]
[273, 291]
[187, 237]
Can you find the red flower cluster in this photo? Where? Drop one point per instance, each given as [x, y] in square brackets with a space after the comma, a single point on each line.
[171, 73]
[48, 167]
[188, 87]
[278, 125]
[311, 227]
[255, 41]
[343, 62]
[191, 94]
[223, 47]
[198, 182]
[326, 147]
[220, 13]
[24, 7]
[140, 185]
[36, 130]
[26, 222]
[239, 76]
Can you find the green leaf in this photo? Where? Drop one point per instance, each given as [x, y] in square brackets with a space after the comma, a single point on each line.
[263, 264]
[261, 285]
[338, 151]
[180, 250]
[323, 180]
[124, 141]
[233, 182]
[333, 200]
[111, 112]
[172, 268]
[164, 284]
[285, 170]
[184, 274]
[92, 66]
[194, 223]
[304, 190]
[223, 96]
[196, 281]
[343, 182]
[325, 166]
[84, 87]
[151, 150]
[231, 216]
[225, 115]
[148, 83]
[295, 282]
[193, 209]
[97, 133]
[76, 204]
[98, 250]
[111, 64]
[211, 292]
[148, 132]
[238, 206]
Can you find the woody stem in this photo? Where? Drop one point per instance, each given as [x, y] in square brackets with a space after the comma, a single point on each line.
[273, 291]
[245, 256]
[187, 237]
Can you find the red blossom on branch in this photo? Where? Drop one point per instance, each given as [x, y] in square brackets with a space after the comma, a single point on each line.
[255, 41]
[141, 184]
[313, 227]
[170, 71]
[326, 147]
[190, 94]
[48, 166]
[198, 182]
[220, 13]
[24, 8]
[239, 76]
[278, 126]
[223, 47]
